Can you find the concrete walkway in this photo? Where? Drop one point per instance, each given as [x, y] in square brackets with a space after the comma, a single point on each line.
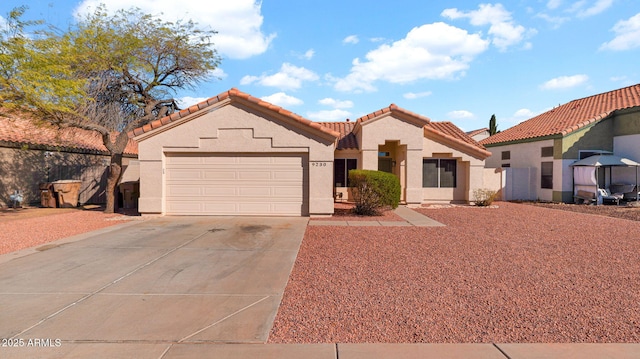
[410, 217]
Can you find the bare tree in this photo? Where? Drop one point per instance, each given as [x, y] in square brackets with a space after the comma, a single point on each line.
[107, 73]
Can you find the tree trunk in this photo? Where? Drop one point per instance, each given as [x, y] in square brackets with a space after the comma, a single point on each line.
[115, 171]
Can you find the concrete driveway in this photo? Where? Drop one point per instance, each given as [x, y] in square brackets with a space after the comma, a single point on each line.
[138, 289]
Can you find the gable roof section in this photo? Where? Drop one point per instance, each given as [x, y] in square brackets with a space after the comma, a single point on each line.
[347, 139]
[21, 130]
[446, 131]
[569, 117]
[234, 95]
[477, 132]
[409, 116]
[455, 137]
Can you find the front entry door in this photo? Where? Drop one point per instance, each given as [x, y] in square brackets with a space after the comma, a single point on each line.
[385, 165]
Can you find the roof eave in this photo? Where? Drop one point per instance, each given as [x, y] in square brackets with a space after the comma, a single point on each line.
[464, 146]
[221, 100]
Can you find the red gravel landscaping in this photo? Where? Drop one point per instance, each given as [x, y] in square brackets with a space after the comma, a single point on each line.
[516, 273]
[25, 228]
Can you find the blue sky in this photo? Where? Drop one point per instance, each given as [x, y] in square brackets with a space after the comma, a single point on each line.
[458, 61]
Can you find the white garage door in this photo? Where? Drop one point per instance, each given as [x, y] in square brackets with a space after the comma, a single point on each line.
[233, 185]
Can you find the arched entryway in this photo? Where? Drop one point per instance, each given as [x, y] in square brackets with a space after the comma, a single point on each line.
[392, 158]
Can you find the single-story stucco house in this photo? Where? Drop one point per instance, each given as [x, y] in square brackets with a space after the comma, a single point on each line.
[235, 154]
[538, 154]
[32, 153]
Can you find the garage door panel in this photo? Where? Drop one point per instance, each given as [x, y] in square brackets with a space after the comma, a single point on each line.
[218, 160]
[293, 176]
[182, 191]
[254, 175]
[184, 174]
[220, 175]
[232, 185]
[256, 191]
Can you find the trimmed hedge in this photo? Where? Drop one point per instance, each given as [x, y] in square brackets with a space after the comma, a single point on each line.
[374, 191]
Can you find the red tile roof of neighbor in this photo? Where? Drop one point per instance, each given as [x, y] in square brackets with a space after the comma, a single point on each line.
[233, 94]
[478, 131]
[571, 116]
[23, 131]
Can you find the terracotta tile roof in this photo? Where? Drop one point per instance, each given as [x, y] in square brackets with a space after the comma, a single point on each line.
[451, 133]
[347, 139]
[571, 116]
[476, 132]
[233, 94]
[394, 108]
[23, 131]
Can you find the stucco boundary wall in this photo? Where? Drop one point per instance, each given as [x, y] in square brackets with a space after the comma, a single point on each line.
[24, 169]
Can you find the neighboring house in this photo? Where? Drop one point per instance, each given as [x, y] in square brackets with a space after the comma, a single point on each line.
[237, 154]
[538, 152]
[33, 153]
[479, 134]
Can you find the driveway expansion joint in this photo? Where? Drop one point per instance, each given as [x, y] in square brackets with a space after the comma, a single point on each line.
[501, 351]
[92, 294]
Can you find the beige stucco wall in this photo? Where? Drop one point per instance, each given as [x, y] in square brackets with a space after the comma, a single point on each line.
[24, 169]
[527, 155]
[407, 138]
[242, 129]
[469, 176]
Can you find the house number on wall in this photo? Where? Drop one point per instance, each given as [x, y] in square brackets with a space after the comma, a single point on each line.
[318, 164]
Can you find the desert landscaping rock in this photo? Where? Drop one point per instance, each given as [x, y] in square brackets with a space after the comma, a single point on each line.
[38, 226]
[515, 273]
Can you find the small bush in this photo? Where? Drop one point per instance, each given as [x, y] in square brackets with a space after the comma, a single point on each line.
[484, 197]
[374, 191]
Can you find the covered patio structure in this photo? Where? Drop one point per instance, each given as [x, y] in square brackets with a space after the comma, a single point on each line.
[590, 175]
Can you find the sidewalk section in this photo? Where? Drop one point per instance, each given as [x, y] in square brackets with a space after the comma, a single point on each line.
[410, 217]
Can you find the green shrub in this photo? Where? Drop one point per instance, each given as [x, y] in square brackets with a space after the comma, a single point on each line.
[484, 197]
[374, 191]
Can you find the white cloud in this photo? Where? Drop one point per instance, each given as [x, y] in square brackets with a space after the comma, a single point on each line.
[460, 115]
[237, 22]
[336, 103]
[218, 73]
[283, 100]
[185, 102]
[524, 113]
[554, 4]
[289, 77]
[415, 95]
[627, 35]
[329, 115]
[564, 82]
[504, 31]
[351, 39]
[309, 54]
[431, 51]
[584, 8]
[555, 21]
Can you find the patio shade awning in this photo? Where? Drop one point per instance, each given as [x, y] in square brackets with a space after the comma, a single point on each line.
[606, 160]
